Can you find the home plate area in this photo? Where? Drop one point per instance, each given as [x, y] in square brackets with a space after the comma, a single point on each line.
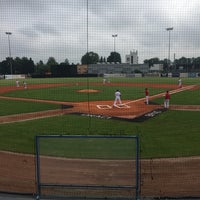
[110, 107]
[104, 107]
[137, 111]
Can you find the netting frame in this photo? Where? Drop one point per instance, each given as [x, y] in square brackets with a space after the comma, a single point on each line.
[39, 184]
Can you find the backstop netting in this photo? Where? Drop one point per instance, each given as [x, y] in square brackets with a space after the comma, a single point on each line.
[92, 167]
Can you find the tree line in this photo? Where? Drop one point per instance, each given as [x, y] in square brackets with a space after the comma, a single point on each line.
[182, 64]
[26, 65]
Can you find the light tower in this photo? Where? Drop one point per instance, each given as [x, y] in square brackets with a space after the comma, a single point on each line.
[8, 34]
[169, 30]
[114, 36]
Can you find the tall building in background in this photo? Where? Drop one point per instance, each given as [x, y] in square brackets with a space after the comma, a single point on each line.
[132, 58]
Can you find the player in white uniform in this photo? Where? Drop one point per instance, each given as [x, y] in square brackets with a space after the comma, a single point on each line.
[117, 98]
[179, 83]
[25, 85]
[17, 83]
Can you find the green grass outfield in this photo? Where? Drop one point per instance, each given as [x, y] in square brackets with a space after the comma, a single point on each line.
[70, 94]
[100, 79]
[170, 134]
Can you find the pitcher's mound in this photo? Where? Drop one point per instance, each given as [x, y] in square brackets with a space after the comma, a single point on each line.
[88, 90]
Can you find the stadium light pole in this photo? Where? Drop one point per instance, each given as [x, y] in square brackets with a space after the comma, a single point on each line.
[8, 34]
[114, 36]
[169, 30]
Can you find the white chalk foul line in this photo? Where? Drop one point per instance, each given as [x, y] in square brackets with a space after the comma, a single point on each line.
[162, 94]
[124, 105]
[104, 107]
[182, 89]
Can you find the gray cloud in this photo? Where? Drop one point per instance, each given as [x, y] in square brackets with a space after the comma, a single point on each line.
[28, 33]
[43, 28]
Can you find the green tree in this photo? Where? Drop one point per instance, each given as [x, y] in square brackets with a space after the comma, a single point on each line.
[165, 64]
[51, 61]
[5, 67]
[152, 61]
[66, 61]
[90, 58]
[19, 66]
[38, 66]
[114, 57]
[41, 68]
[63, 70]
[27, 66]
[196, 63]
[186, 63]
[101, 59]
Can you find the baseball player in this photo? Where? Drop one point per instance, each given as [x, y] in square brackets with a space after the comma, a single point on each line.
[17, 83]
[25, 85]
[117, 98]
[180, 83]
[167, 98]
[147, 96]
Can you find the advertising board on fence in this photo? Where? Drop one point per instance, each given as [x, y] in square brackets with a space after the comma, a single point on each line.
[15, 76]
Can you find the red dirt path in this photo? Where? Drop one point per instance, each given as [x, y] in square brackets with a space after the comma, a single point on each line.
[159, 177]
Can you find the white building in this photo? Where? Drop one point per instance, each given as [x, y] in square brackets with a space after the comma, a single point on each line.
[132, 58]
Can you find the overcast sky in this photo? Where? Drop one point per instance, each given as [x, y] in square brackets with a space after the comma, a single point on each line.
[44, 28]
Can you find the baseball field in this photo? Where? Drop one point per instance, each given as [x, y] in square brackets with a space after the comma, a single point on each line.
[169, 138]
